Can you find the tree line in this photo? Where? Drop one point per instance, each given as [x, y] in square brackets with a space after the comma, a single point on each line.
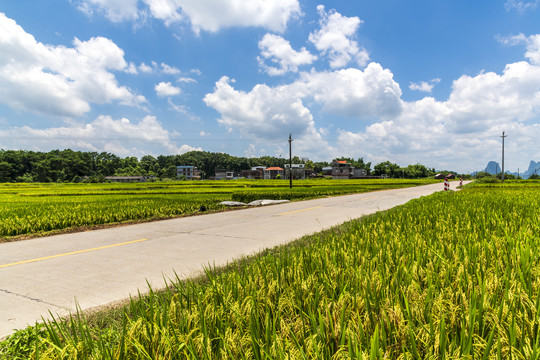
[75, 166]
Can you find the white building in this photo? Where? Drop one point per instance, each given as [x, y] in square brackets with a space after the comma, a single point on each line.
[298, 171]
[190, 172]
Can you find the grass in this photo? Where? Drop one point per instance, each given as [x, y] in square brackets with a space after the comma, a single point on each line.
[41, 209]
[449, 276]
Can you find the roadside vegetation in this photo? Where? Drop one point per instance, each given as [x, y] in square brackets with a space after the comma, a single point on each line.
[40, 208]
[450, 276]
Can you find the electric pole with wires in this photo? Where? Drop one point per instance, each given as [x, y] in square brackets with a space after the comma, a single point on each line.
[502, 173]
[290, 160]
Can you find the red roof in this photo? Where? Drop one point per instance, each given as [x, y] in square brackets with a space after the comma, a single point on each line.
[341, 161]
[274, 168]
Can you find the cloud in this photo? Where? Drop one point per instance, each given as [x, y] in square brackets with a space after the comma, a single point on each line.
[213, 15]
[354, 93]
[490, 99]
[166, 89]
[348, 92]
[264, 112]
[58, 80]
[520, 6]
[270, 113]
[279, 52]
[145, 68]
[532, 44]
[122, 137]
[186, 80]
[334, 39]
[166, 10]
[463, 129]
[171, 70]
[208, 15]
[114, 10]
[267, 115]
[424, 86]
[533, 49]
[512, 40]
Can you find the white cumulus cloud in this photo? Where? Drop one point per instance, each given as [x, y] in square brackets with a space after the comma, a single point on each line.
[166, 89]
[166, 10]
[264, 112]
[114, 10]
[465, 129]
[334, 39]
[120, 136]
[533, 49]
[424, 86]
[354, 93]
[59, 80]
[207, 15]
[532, 43]
[168, 69]
[213, 15]
[271, 113]
[280, 53]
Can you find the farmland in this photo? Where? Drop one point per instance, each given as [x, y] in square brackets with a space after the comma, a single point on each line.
[41, 208]
[452, 275]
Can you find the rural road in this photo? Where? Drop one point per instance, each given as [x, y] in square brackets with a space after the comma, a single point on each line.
[98, 267]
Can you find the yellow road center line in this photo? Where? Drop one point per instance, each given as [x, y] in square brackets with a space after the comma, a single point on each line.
[296, 211]
[71, 253]
[370, 197]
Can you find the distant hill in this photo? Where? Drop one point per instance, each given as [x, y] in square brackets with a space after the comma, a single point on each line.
[493, 168]
[532, 167]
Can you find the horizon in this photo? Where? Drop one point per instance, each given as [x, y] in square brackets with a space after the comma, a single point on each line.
[305, 159]
[434, 84]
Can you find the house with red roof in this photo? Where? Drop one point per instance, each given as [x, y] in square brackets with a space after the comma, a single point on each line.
[341, 169]
[271, 173]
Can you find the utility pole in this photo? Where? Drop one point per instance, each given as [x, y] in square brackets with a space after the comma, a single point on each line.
[290, 160]
[502, 174]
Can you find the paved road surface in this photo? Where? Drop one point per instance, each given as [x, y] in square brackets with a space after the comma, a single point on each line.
[99, 267]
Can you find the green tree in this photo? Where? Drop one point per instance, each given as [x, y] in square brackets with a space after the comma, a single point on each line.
[149, 165]
[6, 171]
[388, 168]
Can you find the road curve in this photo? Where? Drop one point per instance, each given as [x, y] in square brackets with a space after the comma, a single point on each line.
[98, 267]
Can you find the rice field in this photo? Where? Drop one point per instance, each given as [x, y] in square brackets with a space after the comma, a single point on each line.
[41, 208]
[451, 276]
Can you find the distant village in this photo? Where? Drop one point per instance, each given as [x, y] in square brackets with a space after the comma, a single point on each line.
[338, 169]
[77, 166]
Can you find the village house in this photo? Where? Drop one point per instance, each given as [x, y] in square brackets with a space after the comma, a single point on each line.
[341, 169]
[190, 172]
[327, 171]
[359, 173]
[256, 172]
[273, 173]
[298, 171]
[225, 175]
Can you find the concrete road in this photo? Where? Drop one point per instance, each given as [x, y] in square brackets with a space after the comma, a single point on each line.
[95, 268]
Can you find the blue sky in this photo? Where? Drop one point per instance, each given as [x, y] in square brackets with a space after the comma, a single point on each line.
[431, 82]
